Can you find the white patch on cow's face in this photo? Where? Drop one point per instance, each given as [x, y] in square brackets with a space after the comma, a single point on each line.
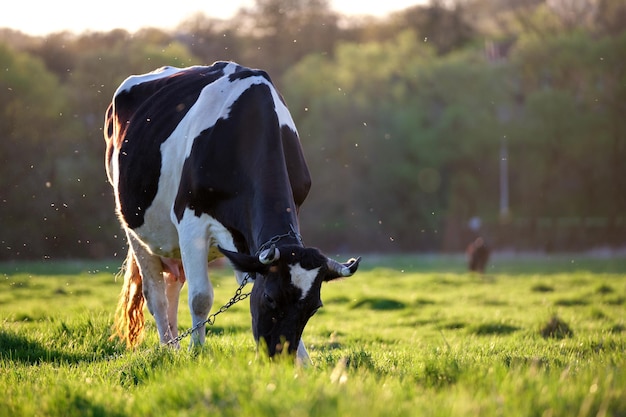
[303, 278]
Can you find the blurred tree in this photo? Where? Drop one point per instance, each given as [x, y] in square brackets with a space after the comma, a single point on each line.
[609, 74]
[283, 31]
[57, 52]
[442, 24]
[610, 17]
[403, 131]
[572, 132]
[35, 125]
[211, 39]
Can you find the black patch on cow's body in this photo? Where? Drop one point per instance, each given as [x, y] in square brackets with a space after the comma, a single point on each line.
[151, 111]
[246, 171]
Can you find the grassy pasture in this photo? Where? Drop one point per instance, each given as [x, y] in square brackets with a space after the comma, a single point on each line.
[405, 336]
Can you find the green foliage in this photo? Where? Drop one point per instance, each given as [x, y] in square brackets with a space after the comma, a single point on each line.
[426, 134]
[561, 77]
[36, 127]
[453, 344]
[406, 129]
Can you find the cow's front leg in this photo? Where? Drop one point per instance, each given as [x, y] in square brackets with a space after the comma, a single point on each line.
[200, 301]
[194, 248]
[302, 356]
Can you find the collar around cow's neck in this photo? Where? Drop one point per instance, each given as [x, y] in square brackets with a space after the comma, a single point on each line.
[291, 233]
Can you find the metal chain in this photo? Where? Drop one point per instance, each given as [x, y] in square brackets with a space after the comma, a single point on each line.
[211, 319]
[275, 239]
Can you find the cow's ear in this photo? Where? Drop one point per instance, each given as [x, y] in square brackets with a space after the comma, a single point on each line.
[244, 263]
[340, 270]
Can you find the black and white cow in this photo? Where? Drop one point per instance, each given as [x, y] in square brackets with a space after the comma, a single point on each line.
[205, 161]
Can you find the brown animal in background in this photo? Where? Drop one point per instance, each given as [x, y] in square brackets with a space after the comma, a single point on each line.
[477, 255]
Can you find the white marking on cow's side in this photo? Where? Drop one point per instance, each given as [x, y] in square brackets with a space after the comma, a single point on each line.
[284, 117]
[214, 232]
[303, 278]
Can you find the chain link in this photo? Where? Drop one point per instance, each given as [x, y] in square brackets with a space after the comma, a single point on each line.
[275, 239]
[239, 295]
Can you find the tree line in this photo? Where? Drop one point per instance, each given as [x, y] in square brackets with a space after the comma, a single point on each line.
[407, 122]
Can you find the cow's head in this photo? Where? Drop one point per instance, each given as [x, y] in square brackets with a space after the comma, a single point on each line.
[286, 291]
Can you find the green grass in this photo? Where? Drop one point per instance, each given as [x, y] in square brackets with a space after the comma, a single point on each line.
[405, 336]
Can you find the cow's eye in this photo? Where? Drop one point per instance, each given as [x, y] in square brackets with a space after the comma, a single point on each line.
[269, 301]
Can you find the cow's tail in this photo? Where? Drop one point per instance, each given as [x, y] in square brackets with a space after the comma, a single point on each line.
[129, 319]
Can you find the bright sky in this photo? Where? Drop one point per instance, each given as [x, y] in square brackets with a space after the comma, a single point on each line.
[39, 17]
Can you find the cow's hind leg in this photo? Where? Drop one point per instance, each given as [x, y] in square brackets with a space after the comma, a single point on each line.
[172, 292]
[174, 277]
[154, 290]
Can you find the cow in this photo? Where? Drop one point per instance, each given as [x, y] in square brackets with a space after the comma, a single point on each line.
[205, 162]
